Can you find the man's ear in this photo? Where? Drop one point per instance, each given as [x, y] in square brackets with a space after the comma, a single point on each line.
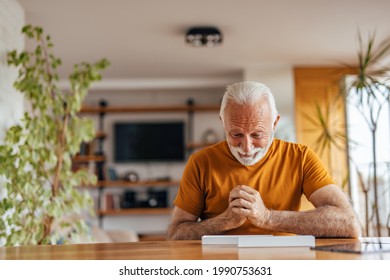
[276, 122]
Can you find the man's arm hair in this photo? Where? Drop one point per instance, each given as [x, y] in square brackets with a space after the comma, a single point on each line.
[332, 217]
[185, 226]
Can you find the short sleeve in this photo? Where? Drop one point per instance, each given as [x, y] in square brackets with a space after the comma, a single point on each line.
[190, 196]
[315, 175]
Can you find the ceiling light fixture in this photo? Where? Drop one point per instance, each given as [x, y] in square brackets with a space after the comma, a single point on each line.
[204, 36]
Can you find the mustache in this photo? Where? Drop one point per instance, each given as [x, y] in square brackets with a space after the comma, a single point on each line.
[252, 152]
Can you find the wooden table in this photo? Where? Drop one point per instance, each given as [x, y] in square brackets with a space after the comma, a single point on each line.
[177, 250]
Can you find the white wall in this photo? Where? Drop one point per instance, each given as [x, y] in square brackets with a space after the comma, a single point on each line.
[11, 102]
[280, 79]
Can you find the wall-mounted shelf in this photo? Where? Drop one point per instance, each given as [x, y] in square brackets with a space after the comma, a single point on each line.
[109, 199]
[126, 184]
[100, 135]
[149, 109]
[135, 211]
[87, 158]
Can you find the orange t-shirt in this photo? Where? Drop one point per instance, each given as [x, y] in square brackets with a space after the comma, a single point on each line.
[287, 171]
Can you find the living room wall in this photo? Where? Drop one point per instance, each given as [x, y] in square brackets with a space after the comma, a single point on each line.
[11, 102]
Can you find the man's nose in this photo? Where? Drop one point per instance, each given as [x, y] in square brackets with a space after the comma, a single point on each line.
[247, 144]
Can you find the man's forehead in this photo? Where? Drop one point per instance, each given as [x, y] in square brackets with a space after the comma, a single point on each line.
[260, 108]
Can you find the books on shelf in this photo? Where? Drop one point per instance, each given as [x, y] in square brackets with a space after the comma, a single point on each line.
[87, 149]
[112, 175]
[246, 241]
[111, 201]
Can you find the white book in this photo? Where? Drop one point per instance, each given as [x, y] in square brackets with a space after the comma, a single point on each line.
[276, 241]
[223, 239]
[219, 239]
[247, 241]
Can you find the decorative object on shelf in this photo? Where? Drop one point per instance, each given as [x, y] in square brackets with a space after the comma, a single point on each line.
[157, 198]
[129, 199]
[145, 199]
[131, 176]
[36, 158]
[86, 148]
[200, 36]
[210, 136]
[112, 175]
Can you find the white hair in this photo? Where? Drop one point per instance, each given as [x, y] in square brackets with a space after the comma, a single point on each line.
[246, 93]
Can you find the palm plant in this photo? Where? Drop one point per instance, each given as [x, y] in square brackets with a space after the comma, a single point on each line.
[328, 131]
[369, 92]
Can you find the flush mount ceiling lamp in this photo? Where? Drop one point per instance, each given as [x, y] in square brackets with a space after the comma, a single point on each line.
[204, 36]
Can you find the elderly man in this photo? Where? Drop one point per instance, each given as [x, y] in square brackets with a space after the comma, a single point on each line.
[252, 183]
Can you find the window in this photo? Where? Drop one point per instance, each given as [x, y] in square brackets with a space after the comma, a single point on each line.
[361, 157]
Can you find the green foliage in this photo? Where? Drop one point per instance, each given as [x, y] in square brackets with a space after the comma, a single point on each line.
[369, 90]
[329, 131]
[38, 184]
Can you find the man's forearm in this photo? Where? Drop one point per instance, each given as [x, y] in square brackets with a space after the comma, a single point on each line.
[195, 230]
[326, 221]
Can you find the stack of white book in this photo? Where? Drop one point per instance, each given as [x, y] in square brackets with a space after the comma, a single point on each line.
[247, 241]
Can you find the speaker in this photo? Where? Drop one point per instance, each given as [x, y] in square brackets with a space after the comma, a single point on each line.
[157, 199]
[129, 200]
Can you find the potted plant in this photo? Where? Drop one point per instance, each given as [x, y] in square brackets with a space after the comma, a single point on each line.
[369, 92]
[36, 157]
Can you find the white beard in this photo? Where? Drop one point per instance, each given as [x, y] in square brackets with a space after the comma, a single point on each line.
[253, 156]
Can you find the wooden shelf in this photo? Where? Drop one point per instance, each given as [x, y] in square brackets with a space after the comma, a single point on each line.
[135, 211]
[87, 158]
[149, 109]
[100, 135]
[122, 183]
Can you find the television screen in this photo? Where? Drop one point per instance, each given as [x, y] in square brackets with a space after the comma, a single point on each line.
[145, 141]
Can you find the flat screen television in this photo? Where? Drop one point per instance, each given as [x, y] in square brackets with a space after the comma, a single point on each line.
[149, 141]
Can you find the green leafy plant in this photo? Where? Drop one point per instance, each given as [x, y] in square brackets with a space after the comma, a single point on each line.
[328, 131]
[330, 135]
[39, 186]
[369, 92]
